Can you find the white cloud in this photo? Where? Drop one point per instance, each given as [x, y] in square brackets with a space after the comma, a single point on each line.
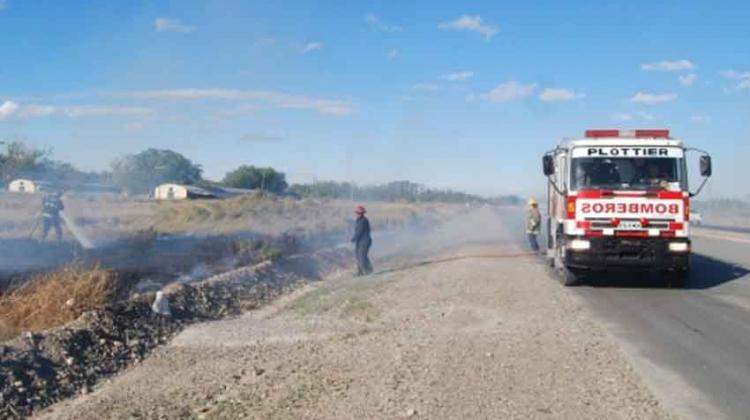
[267, 98]
[248, 108]
[37, 111]
[470, 23]
[374, 21]
[8, 109]
[624, 116]
[699, 118]
[243, 109]
[3, 5]
[392, 54]
[425, 87]
[653, 98]
[558, 94]
[32, 111]
[458, 76]
[621, 116]
[688, 79]
[11, 109]
[508, 91]
[264, 42]
[98, 110]
[261, 137]
[312, 46]
[742, 78]
[135, 126]
[185, 94]
[678, 65]
[735, 75]
[646, 115]
[172, 25]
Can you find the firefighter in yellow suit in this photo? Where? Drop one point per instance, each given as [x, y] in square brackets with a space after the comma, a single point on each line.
[533, 224]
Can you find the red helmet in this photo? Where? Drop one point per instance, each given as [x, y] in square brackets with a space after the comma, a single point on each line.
[360, 210]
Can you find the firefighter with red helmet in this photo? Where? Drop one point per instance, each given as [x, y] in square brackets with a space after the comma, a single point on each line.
[362, 242]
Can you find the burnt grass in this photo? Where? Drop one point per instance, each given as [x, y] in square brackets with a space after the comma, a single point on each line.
[39, 369]
[144, 254]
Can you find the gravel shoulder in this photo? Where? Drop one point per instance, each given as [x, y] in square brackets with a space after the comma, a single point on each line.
[476, 330]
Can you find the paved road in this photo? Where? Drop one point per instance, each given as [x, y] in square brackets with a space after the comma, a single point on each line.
[691, 345]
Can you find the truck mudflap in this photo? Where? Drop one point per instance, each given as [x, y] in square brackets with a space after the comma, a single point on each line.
[639, 254]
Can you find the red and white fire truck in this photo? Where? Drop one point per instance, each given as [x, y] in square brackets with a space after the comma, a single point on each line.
[619, 200]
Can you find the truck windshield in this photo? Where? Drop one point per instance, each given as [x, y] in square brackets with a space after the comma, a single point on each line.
[628, 173]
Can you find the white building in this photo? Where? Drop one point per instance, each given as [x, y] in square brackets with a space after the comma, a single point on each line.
[27, 186]
[180, 192]
[184, 192]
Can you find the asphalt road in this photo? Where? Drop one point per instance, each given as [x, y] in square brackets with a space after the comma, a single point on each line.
[691, 345]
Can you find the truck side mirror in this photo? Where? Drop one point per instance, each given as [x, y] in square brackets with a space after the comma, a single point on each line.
[548, 165]
[705, 164]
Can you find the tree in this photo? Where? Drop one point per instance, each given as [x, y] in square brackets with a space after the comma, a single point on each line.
[392, 191]
[251, 177]
[20, 160]
[140, 173]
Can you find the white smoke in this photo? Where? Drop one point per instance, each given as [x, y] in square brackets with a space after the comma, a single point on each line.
[80, 237]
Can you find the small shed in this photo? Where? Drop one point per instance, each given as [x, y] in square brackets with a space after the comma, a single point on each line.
[180, 192]
[27, 186]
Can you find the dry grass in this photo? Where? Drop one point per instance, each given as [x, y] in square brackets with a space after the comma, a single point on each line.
[98, 216]
[106, 217]
[53, 299]
[273, 215]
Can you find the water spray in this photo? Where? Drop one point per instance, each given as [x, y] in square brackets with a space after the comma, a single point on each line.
[84, 241]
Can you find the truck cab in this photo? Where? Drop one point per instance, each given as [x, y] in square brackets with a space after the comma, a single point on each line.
[618, 200]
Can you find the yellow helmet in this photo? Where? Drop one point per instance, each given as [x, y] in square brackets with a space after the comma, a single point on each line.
[533, 202]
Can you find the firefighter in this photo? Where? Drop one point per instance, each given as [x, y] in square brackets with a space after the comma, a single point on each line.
[52, 205]
[655, 177]
[533, 224]
[362, 242]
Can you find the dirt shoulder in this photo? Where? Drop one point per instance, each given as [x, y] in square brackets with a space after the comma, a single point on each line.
[487, 337]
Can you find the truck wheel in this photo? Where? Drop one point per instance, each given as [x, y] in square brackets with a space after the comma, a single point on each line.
[570, 277]
[567, 276]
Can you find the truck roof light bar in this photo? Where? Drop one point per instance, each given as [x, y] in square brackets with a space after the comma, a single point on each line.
[632, 134]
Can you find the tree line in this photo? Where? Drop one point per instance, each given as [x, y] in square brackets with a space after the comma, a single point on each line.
[391, 191]
[22, 161]
[140, 173]
[134, 174]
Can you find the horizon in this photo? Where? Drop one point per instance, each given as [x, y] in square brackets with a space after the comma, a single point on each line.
[446, 95]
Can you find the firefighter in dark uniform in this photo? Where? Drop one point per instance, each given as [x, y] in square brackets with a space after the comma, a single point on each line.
[362, 242]
[52, 205]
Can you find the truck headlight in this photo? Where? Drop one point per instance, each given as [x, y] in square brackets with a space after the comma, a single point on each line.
[679, 247]
[579, 245]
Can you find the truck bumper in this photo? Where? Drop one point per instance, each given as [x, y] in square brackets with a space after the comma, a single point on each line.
[626, 254]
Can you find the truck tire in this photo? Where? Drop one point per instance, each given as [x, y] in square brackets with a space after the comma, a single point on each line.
[567, 276]
[570, 278]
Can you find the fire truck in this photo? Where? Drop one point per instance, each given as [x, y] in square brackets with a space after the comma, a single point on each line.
[618, 200]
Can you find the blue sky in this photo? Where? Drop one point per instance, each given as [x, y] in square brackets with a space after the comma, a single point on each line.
[465, 95]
